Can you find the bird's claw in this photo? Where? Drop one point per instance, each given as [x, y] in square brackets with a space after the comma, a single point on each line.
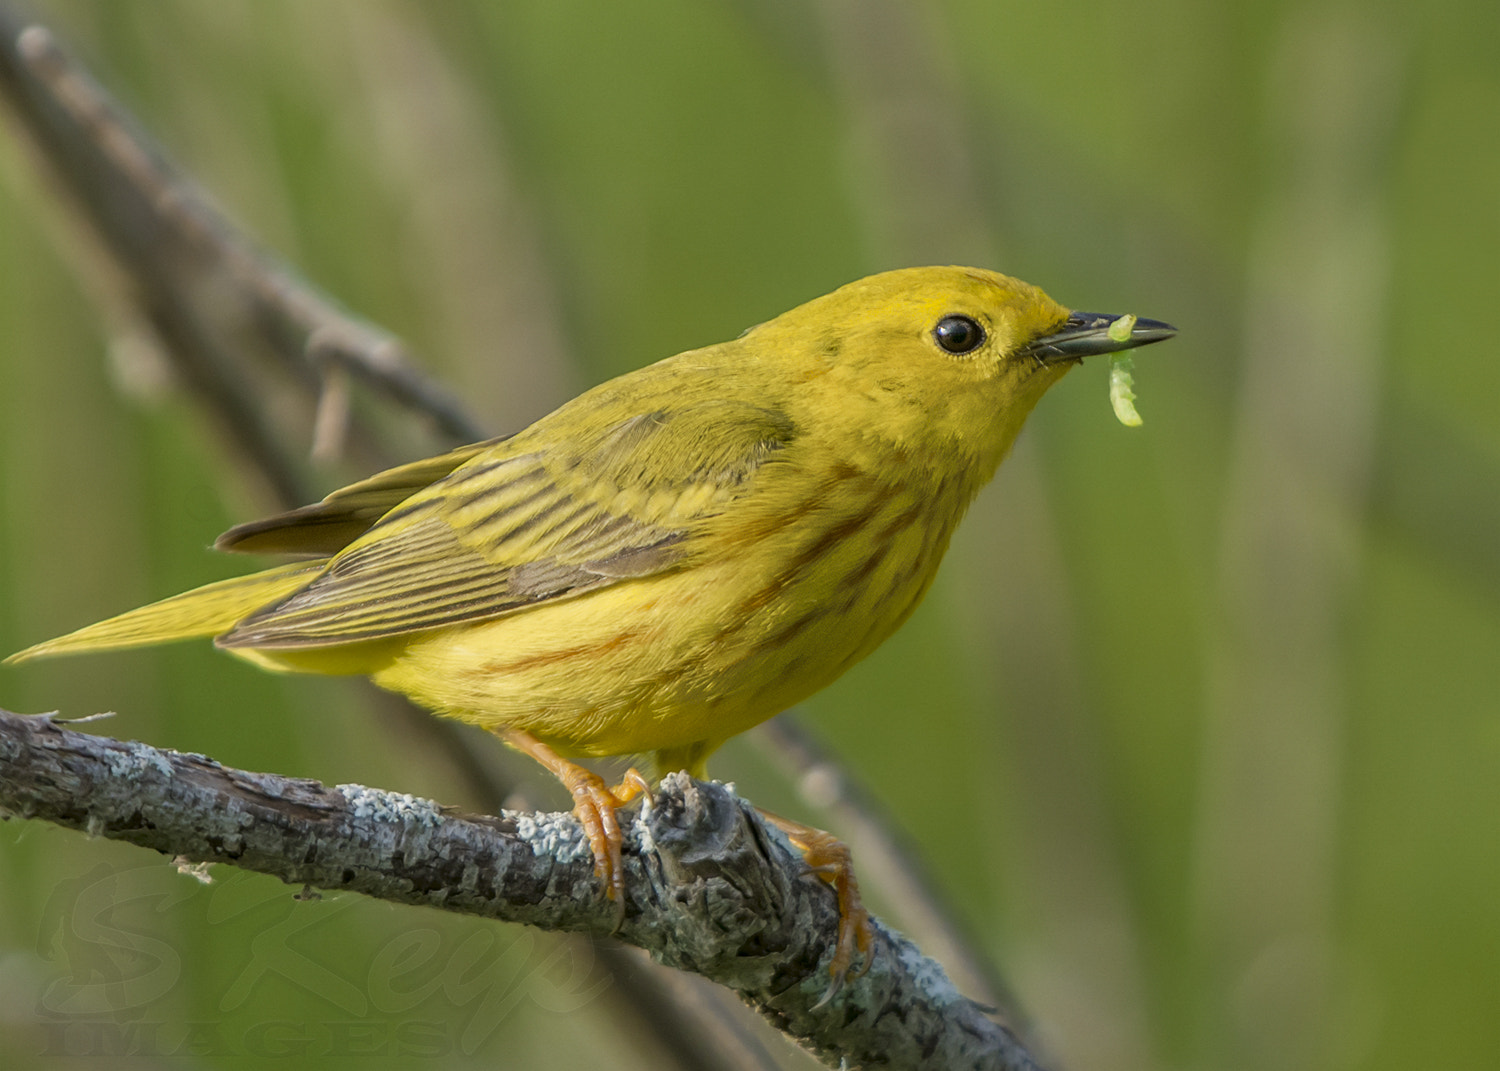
[829, 858]
[594, 805]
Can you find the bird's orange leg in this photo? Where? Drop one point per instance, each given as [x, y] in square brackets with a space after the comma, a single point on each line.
[594, 803]
[829, 858]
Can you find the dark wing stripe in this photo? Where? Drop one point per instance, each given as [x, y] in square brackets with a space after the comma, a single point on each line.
[598, 535]
[422, 543]
[307, 607]
[504, 526]
[526, 490]
[501, 532]
[480, 470]
[329, 526]
[408, 510]
[640, 561]
[432, 581]
[563, 527]
[453, 608]
[291, 631]
[412, 596]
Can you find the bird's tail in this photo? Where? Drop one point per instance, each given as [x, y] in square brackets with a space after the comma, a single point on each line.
[206, 611]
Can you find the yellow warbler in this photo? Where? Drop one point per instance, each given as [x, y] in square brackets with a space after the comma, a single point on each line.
[673, 556]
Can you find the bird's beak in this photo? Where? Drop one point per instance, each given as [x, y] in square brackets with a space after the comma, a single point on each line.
[1087, 333]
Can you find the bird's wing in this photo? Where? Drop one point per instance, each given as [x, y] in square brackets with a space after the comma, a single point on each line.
[327, 527]
[514, 527]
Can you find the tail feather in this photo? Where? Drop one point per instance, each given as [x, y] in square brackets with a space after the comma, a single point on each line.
[206, 611]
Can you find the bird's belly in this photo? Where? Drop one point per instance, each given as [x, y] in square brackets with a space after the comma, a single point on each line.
[664, 662]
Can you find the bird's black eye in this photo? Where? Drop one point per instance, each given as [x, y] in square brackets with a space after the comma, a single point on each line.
[958, 334]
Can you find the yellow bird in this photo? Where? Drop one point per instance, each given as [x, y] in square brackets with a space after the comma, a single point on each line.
[673, 556]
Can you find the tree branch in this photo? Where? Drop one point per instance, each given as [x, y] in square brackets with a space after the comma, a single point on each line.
[710, 887]
[193, 270]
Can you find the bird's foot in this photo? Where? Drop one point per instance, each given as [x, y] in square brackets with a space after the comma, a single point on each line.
[829, 858]
[594, 805]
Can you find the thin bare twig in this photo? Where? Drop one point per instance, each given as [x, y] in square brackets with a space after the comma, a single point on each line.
[195, 269]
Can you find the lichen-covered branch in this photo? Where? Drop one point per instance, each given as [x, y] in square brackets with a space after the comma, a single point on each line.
[710, 887]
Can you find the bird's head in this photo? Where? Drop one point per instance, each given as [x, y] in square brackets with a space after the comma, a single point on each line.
[945, 362]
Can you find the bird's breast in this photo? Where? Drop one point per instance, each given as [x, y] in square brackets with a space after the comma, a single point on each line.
[772, 605]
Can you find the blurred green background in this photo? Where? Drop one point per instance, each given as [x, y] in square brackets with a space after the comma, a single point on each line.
[1198, 728]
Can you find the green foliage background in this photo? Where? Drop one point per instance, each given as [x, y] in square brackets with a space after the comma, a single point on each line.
[1199, 727]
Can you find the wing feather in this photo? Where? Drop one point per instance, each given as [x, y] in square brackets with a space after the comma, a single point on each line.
[511, 527]
[326, 527]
